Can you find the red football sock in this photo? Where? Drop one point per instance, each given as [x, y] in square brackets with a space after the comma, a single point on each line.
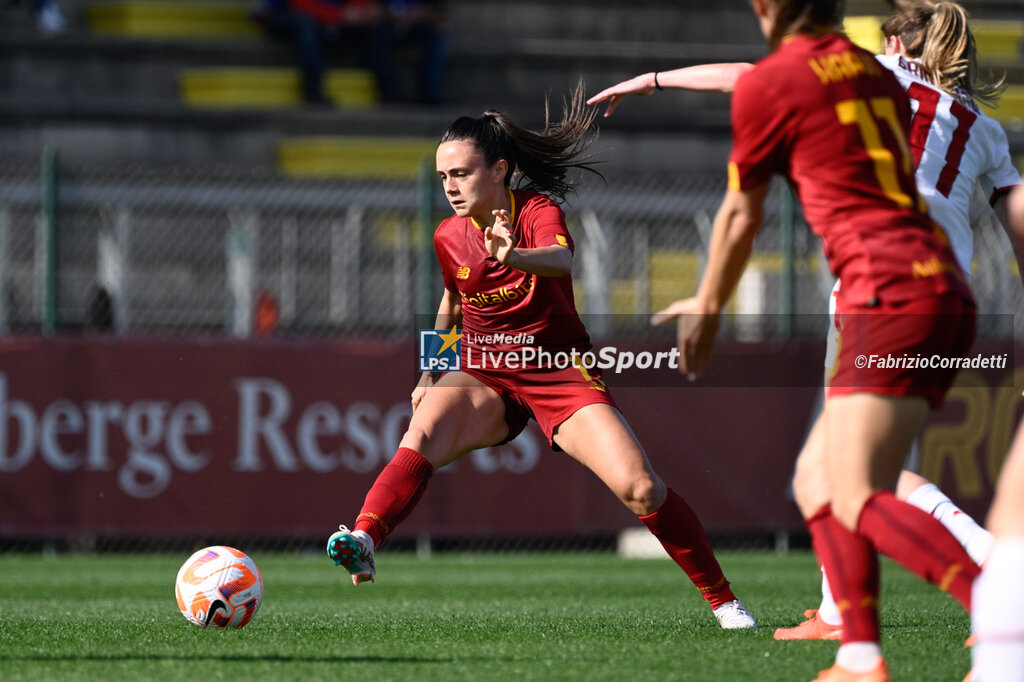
[918, 542]
[681, 534]
[851, 564]
[394, 494]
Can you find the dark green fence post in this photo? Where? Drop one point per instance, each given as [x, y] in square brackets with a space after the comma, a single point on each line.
[51, 246]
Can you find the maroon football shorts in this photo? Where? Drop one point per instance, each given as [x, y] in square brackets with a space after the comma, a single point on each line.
[908, 348]
[548, 395]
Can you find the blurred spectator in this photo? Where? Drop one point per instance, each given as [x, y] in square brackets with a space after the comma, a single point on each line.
[370, 29]
[312, 24]
[47, 15]
[418, 23]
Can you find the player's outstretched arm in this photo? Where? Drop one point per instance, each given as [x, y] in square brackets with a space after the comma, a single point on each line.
[700, 78]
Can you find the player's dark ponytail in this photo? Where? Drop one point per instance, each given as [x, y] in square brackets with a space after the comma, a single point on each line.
[542, 159]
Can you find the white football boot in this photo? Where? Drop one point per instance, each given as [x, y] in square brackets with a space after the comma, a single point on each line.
[734, 615]
[354, 551]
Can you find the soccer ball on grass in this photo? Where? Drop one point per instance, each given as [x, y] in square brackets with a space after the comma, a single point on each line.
[219, 587]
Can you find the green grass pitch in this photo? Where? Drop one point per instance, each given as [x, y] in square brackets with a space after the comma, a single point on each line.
[584, 616]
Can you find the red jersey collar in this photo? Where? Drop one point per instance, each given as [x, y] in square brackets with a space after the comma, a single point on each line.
[512, 203]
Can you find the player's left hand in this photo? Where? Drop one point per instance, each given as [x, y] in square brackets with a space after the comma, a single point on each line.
[696, 329]
[498, 239]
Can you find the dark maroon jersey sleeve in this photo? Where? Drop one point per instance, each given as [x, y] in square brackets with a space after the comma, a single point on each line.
[760, 122]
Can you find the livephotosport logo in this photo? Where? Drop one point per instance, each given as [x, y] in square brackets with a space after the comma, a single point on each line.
[440, 350]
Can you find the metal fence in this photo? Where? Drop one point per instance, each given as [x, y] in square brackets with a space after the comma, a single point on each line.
[158, 251]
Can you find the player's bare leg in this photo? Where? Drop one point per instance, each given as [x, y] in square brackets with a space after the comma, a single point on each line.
[598, 437]
[456, 415]
[811, 493]
[997, 612]
[866, 438]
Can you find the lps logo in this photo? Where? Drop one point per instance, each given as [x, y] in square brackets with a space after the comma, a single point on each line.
[440, 350]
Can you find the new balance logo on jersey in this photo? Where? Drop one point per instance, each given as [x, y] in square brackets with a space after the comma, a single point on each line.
[462, 273]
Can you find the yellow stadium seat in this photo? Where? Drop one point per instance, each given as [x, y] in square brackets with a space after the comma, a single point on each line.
[1011, 106]
[998, 41]
[865, 32]
[354, 157]
[351, 88]
[247, 87]
[172, 18]
[240, 87]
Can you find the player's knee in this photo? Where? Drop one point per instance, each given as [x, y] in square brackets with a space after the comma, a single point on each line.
[644, 495]
[810, 491]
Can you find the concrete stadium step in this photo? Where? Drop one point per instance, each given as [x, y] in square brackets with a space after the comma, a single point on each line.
[172, 19]
[252, 87]
[82, 67]
[681, 21]
[355, 157]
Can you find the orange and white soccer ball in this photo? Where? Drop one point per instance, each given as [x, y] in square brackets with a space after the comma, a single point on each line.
[219, 587]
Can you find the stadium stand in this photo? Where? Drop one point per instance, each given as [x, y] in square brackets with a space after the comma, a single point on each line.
[184, 71]
[201, 72]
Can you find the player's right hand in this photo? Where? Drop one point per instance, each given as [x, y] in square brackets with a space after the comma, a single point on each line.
[696, 329]
[640, 85]
[426, 381]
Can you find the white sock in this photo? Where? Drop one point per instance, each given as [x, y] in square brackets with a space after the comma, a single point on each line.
[365, 536]
[997, 614]
[975, 539]
[827, 610]
[859, 657]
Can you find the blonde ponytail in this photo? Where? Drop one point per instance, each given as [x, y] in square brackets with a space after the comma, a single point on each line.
[938, 35]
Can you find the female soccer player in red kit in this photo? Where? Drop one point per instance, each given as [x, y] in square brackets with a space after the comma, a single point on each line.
[931, 50]
[824, 114]
[506, 259]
